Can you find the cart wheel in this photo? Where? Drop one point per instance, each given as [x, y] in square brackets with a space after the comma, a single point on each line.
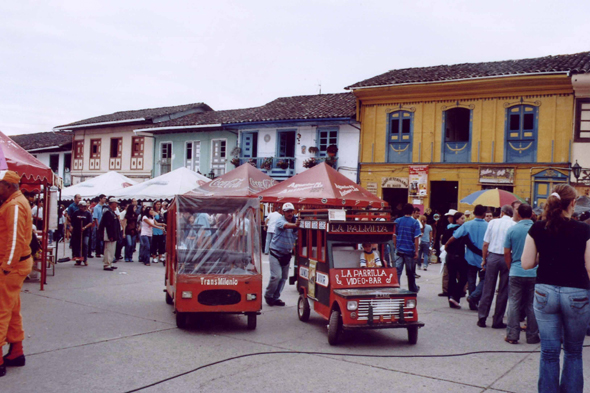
[334, 327]
[303, 308]
[413, 335]
[169, 299]
[181, 319]
[251, 321]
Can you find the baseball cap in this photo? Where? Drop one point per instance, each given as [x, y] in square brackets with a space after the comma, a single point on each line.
[82, 203]
[451, 212]
[9, 177]
[467, 212]
[288, 206]
[113, 200]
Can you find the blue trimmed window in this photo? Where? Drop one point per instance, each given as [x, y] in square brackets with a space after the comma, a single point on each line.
[326, 136]
[521, 127]
[456, 125]
[400, 127]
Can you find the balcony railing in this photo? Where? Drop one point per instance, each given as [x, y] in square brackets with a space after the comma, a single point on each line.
[278, 167]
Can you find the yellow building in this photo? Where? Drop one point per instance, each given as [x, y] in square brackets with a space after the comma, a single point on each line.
[431, 136]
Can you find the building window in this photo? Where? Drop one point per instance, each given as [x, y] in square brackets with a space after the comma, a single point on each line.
[78, 161]
[456, 135]
[326, 137]
[54, 163]
[94, 154]
[192, 155]
[116, 153]
[165, 157]
[218, 156]
[399, 136]
[582, 120]
[137, 149]
[521, 133]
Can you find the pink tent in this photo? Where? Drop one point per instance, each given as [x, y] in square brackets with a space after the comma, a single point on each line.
[245, 180]
[321, 185]
[15, 158]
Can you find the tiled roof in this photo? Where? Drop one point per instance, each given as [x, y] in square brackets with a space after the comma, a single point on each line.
[42, 140]
[321, 106]
[575, 63]
[147, 114]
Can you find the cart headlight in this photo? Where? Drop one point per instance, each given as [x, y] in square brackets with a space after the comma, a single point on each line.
[251, 296]
[187, 295]
[411, 303]
[352, 305]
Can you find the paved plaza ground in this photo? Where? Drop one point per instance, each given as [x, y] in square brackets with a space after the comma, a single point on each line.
[98, 331]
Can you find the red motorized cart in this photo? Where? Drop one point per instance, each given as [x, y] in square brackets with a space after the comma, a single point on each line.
[213, 260]
[330, 278]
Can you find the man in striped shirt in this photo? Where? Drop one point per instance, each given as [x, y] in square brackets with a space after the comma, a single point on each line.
[16, 230]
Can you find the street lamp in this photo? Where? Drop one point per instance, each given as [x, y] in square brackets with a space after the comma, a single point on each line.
[577, 169]
[211, 174]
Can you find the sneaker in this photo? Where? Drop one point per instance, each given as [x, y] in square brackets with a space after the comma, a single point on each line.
[279, 302]
[110, 269]
[269, 301]
[425, 269]
[454, 304]
[481, 322]
[418, 276]
[499, 326]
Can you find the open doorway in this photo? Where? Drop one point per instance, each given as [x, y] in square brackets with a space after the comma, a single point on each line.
[396, 198]
[444, 195]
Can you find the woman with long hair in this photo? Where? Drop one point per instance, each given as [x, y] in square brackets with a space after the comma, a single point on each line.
[425, 243]
[158, 247]
[131, 232]
[145, 238]
[560, 247]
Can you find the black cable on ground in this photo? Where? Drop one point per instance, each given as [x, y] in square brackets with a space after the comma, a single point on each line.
[322, 354]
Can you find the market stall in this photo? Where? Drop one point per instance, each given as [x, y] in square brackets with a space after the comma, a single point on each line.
[245, 180]
[34, 176]
[166, 186]
[108, 183]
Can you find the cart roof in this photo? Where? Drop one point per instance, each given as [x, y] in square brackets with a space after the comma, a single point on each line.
[15, 158]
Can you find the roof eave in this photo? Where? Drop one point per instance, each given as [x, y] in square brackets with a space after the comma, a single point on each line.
[104, 123]
[458, 80]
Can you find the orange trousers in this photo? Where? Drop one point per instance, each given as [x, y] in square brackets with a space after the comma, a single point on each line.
[11, 320]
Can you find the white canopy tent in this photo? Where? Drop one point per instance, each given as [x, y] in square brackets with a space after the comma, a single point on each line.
[177, 182]
[108, 183]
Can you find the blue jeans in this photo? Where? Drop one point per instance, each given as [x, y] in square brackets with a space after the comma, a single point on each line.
[475, 290]
[278, 277]
[424, 253]
[130, 247]
[561, 312]
[268, 240]
[410, 263]
[145, 243]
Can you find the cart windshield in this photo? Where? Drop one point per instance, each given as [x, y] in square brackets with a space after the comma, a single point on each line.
[353, 255]
[218, 235]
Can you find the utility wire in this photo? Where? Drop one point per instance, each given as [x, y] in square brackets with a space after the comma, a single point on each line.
[322, 354]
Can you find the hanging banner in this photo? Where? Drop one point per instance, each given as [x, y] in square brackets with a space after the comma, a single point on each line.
[418, 180]
[496, 175]
[394, 182]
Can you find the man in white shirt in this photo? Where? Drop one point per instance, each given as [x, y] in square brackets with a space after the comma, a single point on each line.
[271, 221]
[494, 264]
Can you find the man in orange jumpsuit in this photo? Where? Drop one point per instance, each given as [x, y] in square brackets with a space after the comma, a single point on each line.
[15, 263]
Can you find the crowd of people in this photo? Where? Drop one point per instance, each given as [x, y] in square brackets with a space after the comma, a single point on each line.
[536, 266]
[109, 229]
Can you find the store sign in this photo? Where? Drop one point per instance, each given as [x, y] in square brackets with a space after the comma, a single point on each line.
[496, 175]
[361, 228]
[418, 180]
[363, 277]
[372, 188]
[394, 182]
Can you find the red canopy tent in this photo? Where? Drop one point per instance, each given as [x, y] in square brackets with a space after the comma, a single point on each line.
[34, 176]
[245, 180]
[323, 186]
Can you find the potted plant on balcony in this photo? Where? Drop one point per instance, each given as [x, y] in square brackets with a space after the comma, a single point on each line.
[310, 162]
[266, 164]
[283, 164]
[313, 150]
[332, 150]
[235, 161]
[252, 162]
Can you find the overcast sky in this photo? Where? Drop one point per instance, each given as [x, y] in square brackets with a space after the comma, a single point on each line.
[63, 61]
